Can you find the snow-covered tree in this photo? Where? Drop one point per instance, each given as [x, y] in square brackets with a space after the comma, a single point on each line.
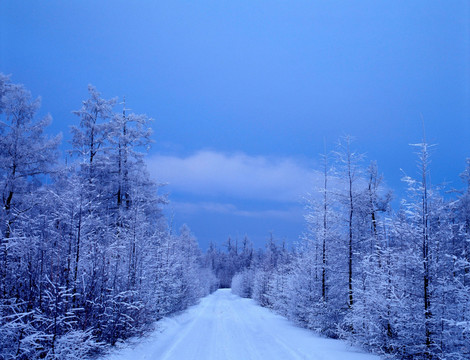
[86, 259]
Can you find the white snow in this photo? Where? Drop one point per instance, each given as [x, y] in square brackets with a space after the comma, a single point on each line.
[225, 326]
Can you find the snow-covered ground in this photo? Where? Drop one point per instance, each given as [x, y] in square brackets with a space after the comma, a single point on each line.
[225, 326]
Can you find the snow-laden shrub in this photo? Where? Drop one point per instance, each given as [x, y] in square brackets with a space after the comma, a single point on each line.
[74, 345]
[242, 283]
[278, 290]
[261, 288]
[19, 338]
[237, 285]
[207, 282]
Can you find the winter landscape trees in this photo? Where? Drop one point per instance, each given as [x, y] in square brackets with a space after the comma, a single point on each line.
[87, 257]
[394, 282]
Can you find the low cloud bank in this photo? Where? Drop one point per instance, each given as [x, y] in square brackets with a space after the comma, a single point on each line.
[215, 174]
[293, 213]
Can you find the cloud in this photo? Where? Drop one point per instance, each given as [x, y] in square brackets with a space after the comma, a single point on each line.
[293, 213]
[191, 208]
[239, 176]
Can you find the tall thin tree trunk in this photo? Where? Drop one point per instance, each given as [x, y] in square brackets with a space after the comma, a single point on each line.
[350, 245]
[425, 249]
[325, 229]
[77, 255]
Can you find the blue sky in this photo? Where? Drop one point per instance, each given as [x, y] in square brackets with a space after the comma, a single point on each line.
[244, 93]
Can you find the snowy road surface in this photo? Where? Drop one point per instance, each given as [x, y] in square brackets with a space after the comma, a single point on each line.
[225, 326]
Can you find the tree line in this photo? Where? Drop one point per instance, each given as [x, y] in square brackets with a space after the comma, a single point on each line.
[87, 257]
[395, 282]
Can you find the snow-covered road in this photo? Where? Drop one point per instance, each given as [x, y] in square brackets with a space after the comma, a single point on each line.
[225, 326]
